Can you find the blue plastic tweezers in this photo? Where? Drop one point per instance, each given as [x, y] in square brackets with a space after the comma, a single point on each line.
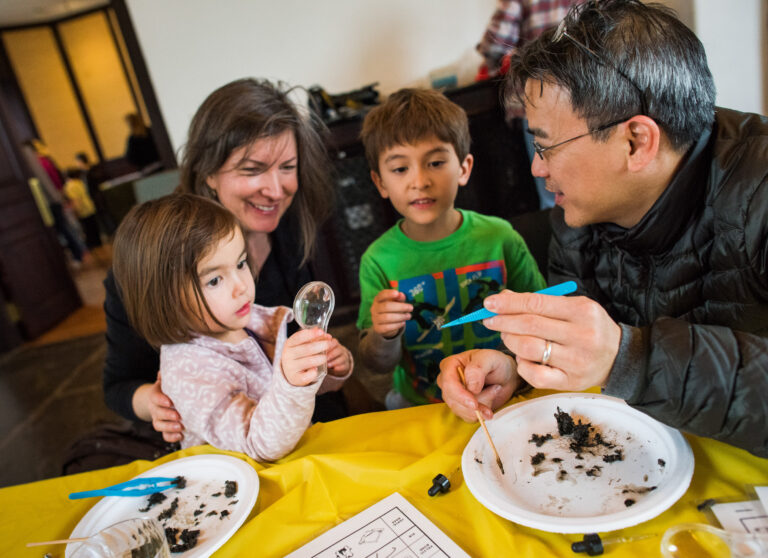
[555, 290]
[136, 487]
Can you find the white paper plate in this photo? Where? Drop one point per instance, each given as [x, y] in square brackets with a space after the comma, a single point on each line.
[544, 498]
[205, 475]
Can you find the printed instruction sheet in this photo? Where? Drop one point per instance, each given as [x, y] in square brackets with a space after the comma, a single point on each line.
[762, 493]
[742, 517]
[391, 528]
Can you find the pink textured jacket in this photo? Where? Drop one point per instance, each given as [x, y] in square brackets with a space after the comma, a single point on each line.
[234, 396]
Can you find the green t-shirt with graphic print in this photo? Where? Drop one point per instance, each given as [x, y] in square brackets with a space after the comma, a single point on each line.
[444, 279]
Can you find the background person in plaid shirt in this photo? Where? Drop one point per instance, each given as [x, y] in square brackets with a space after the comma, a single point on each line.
[513, 23]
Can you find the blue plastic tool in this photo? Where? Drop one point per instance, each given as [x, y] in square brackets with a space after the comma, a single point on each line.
[135, 487]
[555, 290]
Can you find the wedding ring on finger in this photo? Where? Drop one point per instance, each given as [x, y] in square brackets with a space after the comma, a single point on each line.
[547, 353]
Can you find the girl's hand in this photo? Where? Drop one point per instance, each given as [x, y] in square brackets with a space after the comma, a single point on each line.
[303, 354]
[339, 359]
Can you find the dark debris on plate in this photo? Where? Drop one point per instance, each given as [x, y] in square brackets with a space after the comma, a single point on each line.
[181, 541]
[183, 537]
[152, 500]
[230, 488]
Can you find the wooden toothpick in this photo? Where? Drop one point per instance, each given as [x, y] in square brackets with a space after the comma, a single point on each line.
[482, 423]
[59, 541]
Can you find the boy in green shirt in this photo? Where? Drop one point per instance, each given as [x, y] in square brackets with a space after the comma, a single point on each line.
[438, 262]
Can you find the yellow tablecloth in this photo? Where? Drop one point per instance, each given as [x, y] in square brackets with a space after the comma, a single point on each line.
[340, 468]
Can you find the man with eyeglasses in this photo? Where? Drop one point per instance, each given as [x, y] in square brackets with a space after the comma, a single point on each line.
[662, 221]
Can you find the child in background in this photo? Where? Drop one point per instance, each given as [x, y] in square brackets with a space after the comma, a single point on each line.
[237, 380]
[438, 262]
[93, 176]
[76, 193]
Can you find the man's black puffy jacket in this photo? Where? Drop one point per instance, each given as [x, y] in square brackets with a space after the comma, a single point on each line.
[689, 286]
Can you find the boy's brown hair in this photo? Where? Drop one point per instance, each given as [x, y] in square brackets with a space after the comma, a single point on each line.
[412, 115]
[155, 255]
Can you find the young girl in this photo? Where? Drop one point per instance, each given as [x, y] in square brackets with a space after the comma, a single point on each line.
[236, 380]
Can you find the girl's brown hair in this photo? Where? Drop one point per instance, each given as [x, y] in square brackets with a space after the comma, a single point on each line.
[243, 112]
[156, 252]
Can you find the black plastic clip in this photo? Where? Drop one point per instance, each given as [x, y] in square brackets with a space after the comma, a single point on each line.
[591, 544]
[439, 484]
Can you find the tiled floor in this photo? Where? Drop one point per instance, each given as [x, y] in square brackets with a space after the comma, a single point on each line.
[52, 394]
[50, 389]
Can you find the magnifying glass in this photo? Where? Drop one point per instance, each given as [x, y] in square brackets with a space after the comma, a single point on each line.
[697, 540]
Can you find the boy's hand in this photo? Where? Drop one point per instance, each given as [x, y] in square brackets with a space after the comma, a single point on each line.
[303, 354]
[339, 359]
[389, 312]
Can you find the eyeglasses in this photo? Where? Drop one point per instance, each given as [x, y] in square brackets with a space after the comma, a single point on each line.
[541, 150]
[561, 32]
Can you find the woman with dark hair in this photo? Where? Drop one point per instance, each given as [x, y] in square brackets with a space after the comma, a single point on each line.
[250, 148]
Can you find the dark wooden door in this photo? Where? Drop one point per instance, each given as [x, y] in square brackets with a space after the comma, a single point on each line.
[33, 272]
[34, 278]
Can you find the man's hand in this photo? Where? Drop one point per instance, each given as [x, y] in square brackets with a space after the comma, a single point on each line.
[151, 404]
[389, 312]
[491, 381]
[584, 339]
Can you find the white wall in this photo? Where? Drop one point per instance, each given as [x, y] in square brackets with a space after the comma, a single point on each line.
[193, 46]
[733, 34]
[734, 37]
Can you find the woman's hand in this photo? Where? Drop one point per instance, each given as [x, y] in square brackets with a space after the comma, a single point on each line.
[152, 405]
[303, 354]
[339, 359]
[491, 380]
